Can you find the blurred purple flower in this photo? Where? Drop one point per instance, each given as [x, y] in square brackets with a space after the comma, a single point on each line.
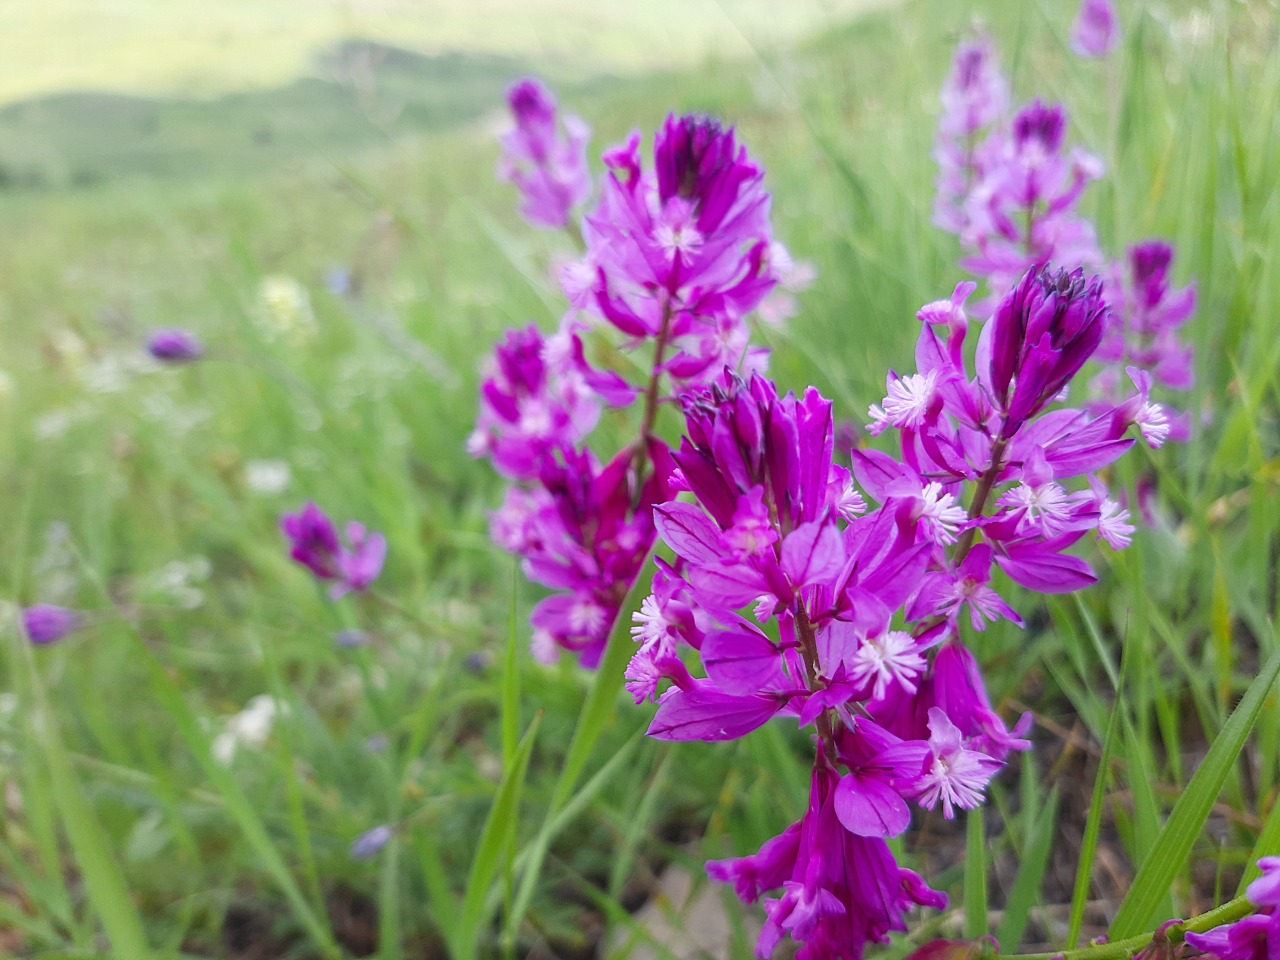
[1096, 31]
[550, 170]
[316, 546]
[1253, 938]
[45, 623]
[370, 843]
[175, 346]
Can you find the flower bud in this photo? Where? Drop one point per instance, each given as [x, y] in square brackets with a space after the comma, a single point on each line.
[175, 346]
[1042, 333]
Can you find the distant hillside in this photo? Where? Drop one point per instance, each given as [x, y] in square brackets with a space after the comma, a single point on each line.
[360, 94]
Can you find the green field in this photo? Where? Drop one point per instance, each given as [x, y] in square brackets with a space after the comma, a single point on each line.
[147, 182]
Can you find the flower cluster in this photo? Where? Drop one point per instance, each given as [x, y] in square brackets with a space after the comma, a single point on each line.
[1021, 211]
[314, 543]
[1147, 313]
[803, 601]
[677, 254]
[1256, 937]
[1009, 188]
[1096, 31]
[549, 170]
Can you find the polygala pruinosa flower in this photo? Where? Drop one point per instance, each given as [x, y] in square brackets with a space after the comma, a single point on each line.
[1256, 937]
[315, 544]
[175, 346]
[974, 99]
[45, 623]
[549, 169]
[836, 598]
[1096, 30]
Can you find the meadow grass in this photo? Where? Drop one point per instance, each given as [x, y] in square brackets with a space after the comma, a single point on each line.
[531, 810]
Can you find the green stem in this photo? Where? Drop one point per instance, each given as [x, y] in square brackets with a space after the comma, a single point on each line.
[1124, 949]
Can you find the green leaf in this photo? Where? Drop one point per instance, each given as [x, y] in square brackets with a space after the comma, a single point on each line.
[593, 719]
[104, 880]
[975, 876]
[498, 828]
[1026, 887]
[1173, 847]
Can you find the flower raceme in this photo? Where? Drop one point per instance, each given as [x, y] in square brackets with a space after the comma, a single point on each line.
[315, 545]
[678, 253]
[799, 600]
[1009, 188]
[549, 170]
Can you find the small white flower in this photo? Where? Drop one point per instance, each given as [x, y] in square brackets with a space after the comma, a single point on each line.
[1048, 504]
[267, 477]
[942, 511]
[1113, 524]
[907, 403]
[851, 503]
[1153, 423]
[891, 657]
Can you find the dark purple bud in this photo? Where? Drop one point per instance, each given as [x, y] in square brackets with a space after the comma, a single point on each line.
[689, 151]
[370, 843]
[531, 102]
[1150, 264]
[313, 539]
[1042, 333]
[175, 346]
[1041, 125]
[45, 623]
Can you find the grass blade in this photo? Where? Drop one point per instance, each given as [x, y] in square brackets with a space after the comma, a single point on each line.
[1026, 887]
[1173, 847]
[975, 876]
[104, 881]
[498, 828]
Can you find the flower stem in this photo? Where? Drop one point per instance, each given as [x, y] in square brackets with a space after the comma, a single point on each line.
[980, 497]
[1124, 949]
[651, 401]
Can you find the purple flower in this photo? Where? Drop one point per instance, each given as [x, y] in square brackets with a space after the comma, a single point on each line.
[549, 170]
[45, 623]
[1256, 937]
[974, 98]
[534, 401]
[1042, 333]
[315, 544]
[370, 843]
[175, 346]
[1095, 32]
[682, 254]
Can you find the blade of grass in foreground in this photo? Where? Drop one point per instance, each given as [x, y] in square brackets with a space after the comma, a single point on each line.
[601, 700]
[107, 889]
[975, 876]
[1026, 888]
[498, 829]
[1172, 849]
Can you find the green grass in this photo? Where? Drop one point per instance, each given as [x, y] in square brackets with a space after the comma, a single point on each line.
[120, 823]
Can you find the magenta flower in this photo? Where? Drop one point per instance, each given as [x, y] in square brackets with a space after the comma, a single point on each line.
[1143, 330]
[1095, 31]
[1042, 333]
[549, 170]
[175, 346]
[533, 402]
[315, 544]
[682, 254]
[1255, 937]
[45, 623]
[974, 99]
